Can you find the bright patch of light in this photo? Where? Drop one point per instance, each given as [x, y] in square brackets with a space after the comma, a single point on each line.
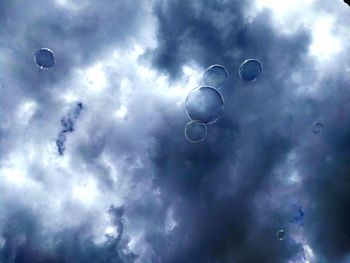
[188, 71]
[286, 11]
[325, 43]
[86, 193]
[111, 231]
[132, 54]
[284, 8]
[69, 97]
[294, 178]
[290, 15]
[170, 222]
[121, 113]
[124, 94]
[191, 78]
[309, 254]
[14, 175]
[112, 167]
[281, 8]
[14, 169]
[137, 51]
[126, 89]
[71, 5]
[96, 78]
[26, 111]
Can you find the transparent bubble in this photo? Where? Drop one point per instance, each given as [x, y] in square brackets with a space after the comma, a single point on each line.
[215, 76]
[250, 69]
[195, 132]
[317, 127]
[44, 58]
[204, 104]
[281, 234]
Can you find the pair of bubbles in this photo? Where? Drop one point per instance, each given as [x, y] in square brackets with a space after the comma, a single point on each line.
[205, 104]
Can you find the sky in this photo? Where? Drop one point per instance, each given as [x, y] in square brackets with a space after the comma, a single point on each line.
[94, 163]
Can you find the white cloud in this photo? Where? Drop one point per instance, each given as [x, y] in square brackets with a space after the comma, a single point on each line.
[292, 15]
[325, 44]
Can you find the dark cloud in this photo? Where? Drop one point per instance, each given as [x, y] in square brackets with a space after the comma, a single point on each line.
[261, 168]
[68, 126]
[325, 165]
[221, 188]
[25, 242]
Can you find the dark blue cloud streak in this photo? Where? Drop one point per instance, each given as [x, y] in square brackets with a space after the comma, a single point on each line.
[68, 125]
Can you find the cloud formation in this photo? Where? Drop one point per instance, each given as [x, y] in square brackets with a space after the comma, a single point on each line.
[128, 186]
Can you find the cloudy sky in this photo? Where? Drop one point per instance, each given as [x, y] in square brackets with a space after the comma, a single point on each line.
[122, 183]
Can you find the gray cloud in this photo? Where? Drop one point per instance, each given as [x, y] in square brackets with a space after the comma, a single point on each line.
[130, 187]
[219, 184]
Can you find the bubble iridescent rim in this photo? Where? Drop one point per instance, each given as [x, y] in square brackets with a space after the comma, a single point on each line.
[220, 66]
[245, 62]
[44, 49]
[222, 106]
[199, 123]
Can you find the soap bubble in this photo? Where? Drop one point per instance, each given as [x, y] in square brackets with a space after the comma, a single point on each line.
[317, 127]
[195, 132]
[250, 69]
[281, 234]
[215, 76]
[44, 58]
[204, 104]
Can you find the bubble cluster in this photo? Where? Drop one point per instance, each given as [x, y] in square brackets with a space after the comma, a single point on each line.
[204, 105]
[250, 70]
[317, 127]
[44, 58]
[215, 76]
[281, 234]
[195, 132]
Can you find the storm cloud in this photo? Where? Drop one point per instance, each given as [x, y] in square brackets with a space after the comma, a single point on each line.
[127, 186]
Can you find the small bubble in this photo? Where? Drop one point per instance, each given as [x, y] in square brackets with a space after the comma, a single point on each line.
[317, 127]
[250, 70]
[215, 76]
[44, 58]
[281, 234]
[195, 132]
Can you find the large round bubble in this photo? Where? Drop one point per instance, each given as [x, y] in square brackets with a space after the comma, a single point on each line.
[204, 105]
[195, 132]
[215, 76]
[317, 127]
[44, 58]
[250, 70]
